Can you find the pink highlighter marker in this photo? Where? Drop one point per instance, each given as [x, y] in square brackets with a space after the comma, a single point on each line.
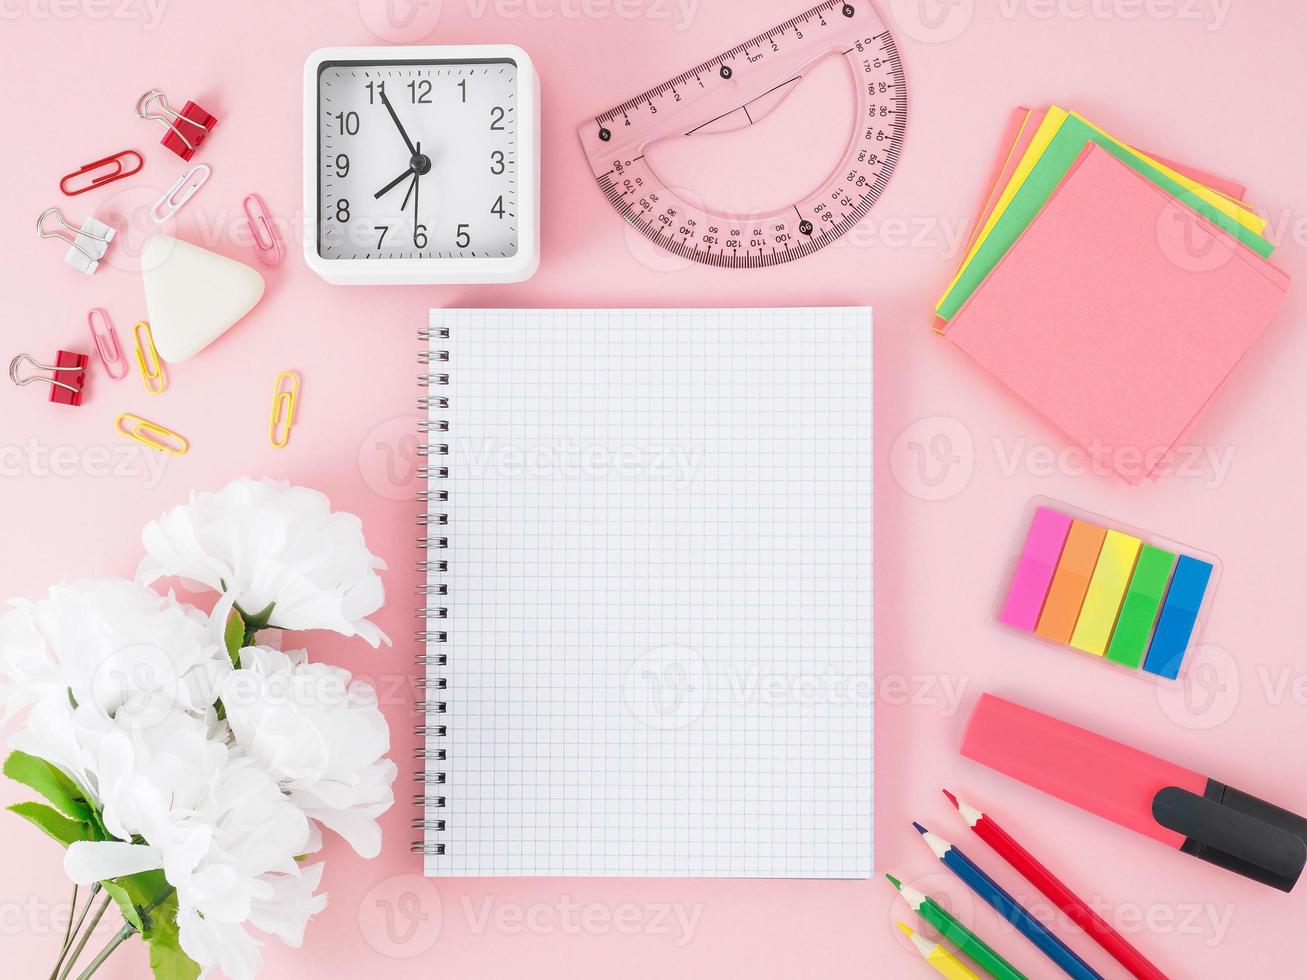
[1176, 806]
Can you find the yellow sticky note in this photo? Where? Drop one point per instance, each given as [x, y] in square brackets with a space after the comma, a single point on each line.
[1116, 563]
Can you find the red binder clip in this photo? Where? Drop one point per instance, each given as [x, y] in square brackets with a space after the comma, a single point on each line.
[69, 370]
[186, 129]
[116, 167]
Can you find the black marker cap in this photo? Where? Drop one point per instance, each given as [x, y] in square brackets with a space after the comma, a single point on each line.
[1237, 832]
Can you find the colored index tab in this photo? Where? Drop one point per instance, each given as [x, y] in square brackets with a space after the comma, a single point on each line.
[1071, 581]
[1102, 602]
[1139, 610]
[1035, 570]
[1179, 613]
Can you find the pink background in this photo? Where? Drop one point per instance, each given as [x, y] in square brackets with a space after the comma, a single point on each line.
[1213, 85]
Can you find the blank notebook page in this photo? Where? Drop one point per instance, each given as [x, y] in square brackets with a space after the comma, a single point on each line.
[659, 629]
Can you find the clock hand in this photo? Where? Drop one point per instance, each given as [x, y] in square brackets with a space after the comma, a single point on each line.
[417, 179]
[398, 125]
[409, 193]
[394, 183]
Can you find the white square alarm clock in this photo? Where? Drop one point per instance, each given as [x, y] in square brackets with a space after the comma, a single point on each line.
[422, 164]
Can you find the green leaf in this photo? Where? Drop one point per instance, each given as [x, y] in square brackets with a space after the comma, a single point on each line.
[149, 903]
[50, 782]
[125, 903]
[54, 823]
[234, 636]
[169, 962]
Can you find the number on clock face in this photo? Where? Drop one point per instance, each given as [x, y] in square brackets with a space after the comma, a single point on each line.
[417, 160]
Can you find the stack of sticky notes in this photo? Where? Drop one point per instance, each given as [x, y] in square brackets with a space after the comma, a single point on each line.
[1112, 291]
[1106, 592]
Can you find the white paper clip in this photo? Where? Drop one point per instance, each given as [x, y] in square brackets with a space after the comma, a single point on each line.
[87, 244]
[182, 190]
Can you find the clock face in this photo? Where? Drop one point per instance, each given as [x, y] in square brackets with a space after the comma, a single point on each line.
[417, 160]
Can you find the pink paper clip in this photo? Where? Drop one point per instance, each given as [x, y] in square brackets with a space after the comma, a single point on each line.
[105, 338]
[102, 172]
[266, 242]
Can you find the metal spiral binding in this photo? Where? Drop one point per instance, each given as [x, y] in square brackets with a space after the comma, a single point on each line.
[431, 713]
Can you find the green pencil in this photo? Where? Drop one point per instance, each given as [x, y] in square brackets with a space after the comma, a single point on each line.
[962, 937]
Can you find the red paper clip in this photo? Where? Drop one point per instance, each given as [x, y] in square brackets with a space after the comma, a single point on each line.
[186, 129]
[266, 242]
[69, 376]
[119, 162]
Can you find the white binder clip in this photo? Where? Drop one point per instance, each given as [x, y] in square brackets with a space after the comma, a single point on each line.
[87, 244]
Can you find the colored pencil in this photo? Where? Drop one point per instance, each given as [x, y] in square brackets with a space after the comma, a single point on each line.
[955, 932]
[1059, 894]
[989, 890]
[944, 962]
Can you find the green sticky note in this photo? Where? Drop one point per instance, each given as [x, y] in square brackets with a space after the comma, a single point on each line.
[1039, 186]
[1139, 609]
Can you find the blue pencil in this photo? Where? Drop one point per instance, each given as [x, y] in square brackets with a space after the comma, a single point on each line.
[1007, 906]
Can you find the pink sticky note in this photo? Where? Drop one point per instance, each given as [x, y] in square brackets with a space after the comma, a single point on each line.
[1021, 127]
[1034, 574]
[1119, 313]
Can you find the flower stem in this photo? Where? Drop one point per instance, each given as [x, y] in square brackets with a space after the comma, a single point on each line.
[86, 937]
[68, 935]
[125, 933]
[73, 929]
[68, 931]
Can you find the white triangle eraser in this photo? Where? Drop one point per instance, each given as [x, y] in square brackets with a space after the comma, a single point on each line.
[193, 295]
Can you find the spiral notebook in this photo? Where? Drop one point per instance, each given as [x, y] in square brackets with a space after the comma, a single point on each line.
[649, 582]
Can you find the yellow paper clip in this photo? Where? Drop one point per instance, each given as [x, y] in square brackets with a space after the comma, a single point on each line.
[151, 434]
[152, 371]
[283, 409]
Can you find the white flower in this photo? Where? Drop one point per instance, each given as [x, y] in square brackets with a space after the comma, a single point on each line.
[218, 825]
[124, 649]
[269, 545]
[282, 907]
[319, 734]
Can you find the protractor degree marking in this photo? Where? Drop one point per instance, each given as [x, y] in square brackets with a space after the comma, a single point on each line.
[754, 70]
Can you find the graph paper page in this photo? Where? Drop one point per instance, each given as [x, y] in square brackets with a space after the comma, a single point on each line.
[659, 631]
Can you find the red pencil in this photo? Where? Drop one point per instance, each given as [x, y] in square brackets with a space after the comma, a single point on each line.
[1058, 893]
